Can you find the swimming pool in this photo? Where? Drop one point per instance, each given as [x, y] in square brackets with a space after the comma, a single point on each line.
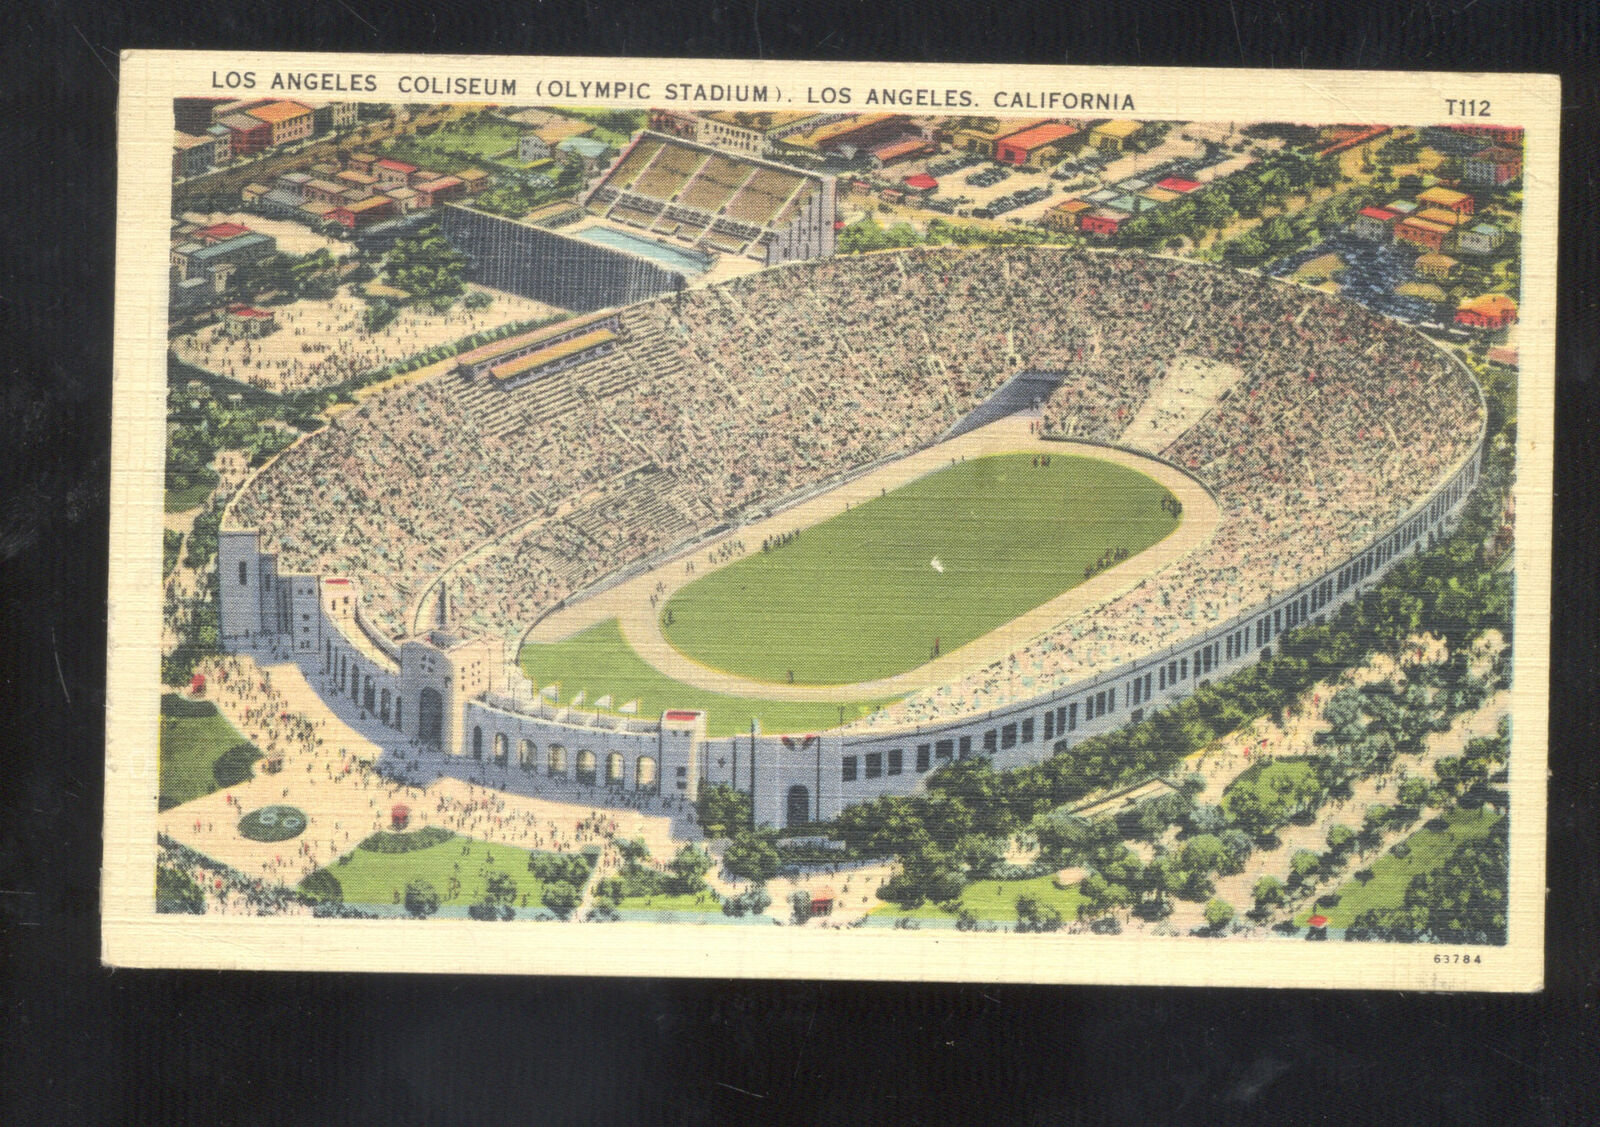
[673, 258]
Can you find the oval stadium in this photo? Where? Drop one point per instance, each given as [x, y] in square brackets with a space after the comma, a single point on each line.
[818, 530]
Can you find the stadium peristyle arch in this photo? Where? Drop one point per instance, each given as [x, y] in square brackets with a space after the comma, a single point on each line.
[1337, 443]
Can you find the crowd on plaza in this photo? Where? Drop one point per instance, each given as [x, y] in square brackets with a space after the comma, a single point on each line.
[741, 395]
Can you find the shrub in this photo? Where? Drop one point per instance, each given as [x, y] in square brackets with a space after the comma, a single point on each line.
[233, 766]
[176, 892]
[322, 885]
[561, 898]
[752, 903]
[421, 898]
[409, 842]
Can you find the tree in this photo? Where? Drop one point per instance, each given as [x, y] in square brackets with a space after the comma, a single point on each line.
[722, 811]
[1304, 866]
[751, 902]
[177, 892]
[799, 906]
[1035, 917]
[753, 855]
[422, 899]
[498, 899]
[1372, 826]
[1341, 839]
[1268, 893]
[561, 898]
[688, 869]
[1219, 914]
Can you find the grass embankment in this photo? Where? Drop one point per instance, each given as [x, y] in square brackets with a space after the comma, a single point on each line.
[1391, 875]
[194, 738]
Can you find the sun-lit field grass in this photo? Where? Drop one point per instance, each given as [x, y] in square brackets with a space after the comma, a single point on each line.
[1391, 875]
[947, 558]
[995, 901]
[194, 736]
[599, 662]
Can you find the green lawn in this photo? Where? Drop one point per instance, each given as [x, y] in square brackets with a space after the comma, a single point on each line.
[857, 596]
[598, 661]
[446, 152]
[193, 736]
[1280, 776]
[191, 494]
[375, 878]
[996, 901]
[1391, 875]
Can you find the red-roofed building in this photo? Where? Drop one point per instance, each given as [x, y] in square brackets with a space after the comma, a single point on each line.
[1375, 223]
[903, 149]
[245, 320]
[921, 182]
[437, 191]
[1178, 184]
[361, 213]
[217, 232]
[1101, 221]
[1042, 144]
[1421, 232]
[1492, 311]
[393, 173]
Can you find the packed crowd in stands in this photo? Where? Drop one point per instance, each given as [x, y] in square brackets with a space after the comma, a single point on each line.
[726, 400]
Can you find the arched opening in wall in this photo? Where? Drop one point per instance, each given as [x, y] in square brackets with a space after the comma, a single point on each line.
[645, 774]
[355, 683]
[799, 807]
[327, 655]
[584, 766]
[477, 742]
[556, 761]
[527, 755]
[501, 746]
[430, 717]
[398, 701]
[383, 706]
[614, 770]
[367, 695]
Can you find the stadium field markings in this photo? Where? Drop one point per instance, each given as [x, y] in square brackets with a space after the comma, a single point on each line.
[629, 603]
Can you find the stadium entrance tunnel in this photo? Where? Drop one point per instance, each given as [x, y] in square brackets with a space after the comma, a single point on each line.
[799, 811]
[430, 718]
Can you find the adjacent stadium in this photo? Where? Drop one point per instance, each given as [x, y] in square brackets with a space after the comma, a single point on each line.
[816, 530]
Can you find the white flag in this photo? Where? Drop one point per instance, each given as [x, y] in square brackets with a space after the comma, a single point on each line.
[630, 708]
[551, 691]
[603, 702]
[577, 700]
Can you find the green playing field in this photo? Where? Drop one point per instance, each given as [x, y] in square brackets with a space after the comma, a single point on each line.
[944, 559]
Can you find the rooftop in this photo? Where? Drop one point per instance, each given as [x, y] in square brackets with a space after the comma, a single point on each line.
[1119, 128]
[1444, 197]
[551, 353]
[1038, 135]
[276, 112]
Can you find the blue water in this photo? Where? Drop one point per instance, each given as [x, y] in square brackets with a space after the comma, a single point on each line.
[673, 258]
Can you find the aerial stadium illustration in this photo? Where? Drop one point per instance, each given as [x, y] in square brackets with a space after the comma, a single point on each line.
[790, 464]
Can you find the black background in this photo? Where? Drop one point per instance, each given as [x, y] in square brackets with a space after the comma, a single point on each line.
[85, 1044]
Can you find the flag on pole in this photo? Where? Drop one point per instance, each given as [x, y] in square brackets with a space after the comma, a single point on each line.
[577, 700]
[630, 708]
[603, 702]
[551, 691]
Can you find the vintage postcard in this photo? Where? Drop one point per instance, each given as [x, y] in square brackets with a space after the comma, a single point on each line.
[671, 517]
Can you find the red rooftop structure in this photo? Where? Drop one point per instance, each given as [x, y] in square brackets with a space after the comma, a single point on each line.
[921, 182]
[1178, 184]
